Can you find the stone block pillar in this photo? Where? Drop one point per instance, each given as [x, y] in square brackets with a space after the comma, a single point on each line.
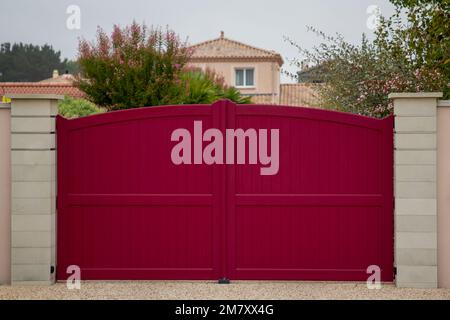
[415, 189]
[33, 188]
[443, 196]
[5, 194]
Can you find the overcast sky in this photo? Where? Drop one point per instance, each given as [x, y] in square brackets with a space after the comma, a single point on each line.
[261, 23]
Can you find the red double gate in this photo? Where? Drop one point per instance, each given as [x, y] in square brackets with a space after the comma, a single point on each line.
[126, 211]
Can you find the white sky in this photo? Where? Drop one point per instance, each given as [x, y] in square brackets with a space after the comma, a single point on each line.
[261, 23]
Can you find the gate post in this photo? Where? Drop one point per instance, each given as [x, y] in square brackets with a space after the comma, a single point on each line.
[415, 189]
[5, 194]
[33, 188]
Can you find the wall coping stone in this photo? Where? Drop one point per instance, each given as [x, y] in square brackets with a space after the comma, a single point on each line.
[444, 103]
[27, 96]
[415, 95]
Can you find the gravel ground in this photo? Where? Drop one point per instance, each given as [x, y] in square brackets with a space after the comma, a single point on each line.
[210, 290]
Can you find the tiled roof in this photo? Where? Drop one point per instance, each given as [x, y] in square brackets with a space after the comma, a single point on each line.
[40, 88]
[299, 94]
[264, 99]
[225, 49]
[65, 78]
[295, 94]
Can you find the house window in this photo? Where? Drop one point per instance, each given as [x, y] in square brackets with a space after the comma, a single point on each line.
[245, 77]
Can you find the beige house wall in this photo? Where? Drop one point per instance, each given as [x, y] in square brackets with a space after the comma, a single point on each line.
[443, 196]
[5, 194]
[267, 74]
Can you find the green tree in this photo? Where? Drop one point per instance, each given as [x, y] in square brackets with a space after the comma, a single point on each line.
[27, 62]
[72, 67]
[424, 42]
[410, 53]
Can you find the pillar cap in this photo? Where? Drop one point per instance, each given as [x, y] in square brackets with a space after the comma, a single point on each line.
[444, 103]
[415, 95]
[27, 96]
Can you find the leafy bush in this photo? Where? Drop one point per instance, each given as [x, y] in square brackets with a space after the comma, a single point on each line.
[74, 108]
[422, 44]
[206, 86]
[409, 57]
[135, 67]
[235, 95]
[197, 87]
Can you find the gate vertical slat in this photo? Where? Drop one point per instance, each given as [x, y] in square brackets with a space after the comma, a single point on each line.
[387, 219]
[230, 218]
[61, 176]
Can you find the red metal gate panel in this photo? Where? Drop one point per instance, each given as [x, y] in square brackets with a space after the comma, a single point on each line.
[327, 214]
[125, 211]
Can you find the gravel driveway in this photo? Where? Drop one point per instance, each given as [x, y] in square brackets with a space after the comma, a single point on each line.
[212, 290]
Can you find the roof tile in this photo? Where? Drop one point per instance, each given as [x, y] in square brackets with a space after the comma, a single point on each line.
[40, 88]
[224, 48]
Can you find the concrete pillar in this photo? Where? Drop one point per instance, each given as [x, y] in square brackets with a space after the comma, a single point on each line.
[415, 189]
[443, 196]
[5, 194]
[33, 189]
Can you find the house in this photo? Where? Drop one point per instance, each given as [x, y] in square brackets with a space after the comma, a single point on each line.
[254, 71]
[57, 84]
[312, 74]
[299, 94]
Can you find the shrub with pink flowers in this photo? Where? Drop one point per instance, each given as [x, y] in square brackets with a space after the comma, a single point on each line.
[134, 67]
